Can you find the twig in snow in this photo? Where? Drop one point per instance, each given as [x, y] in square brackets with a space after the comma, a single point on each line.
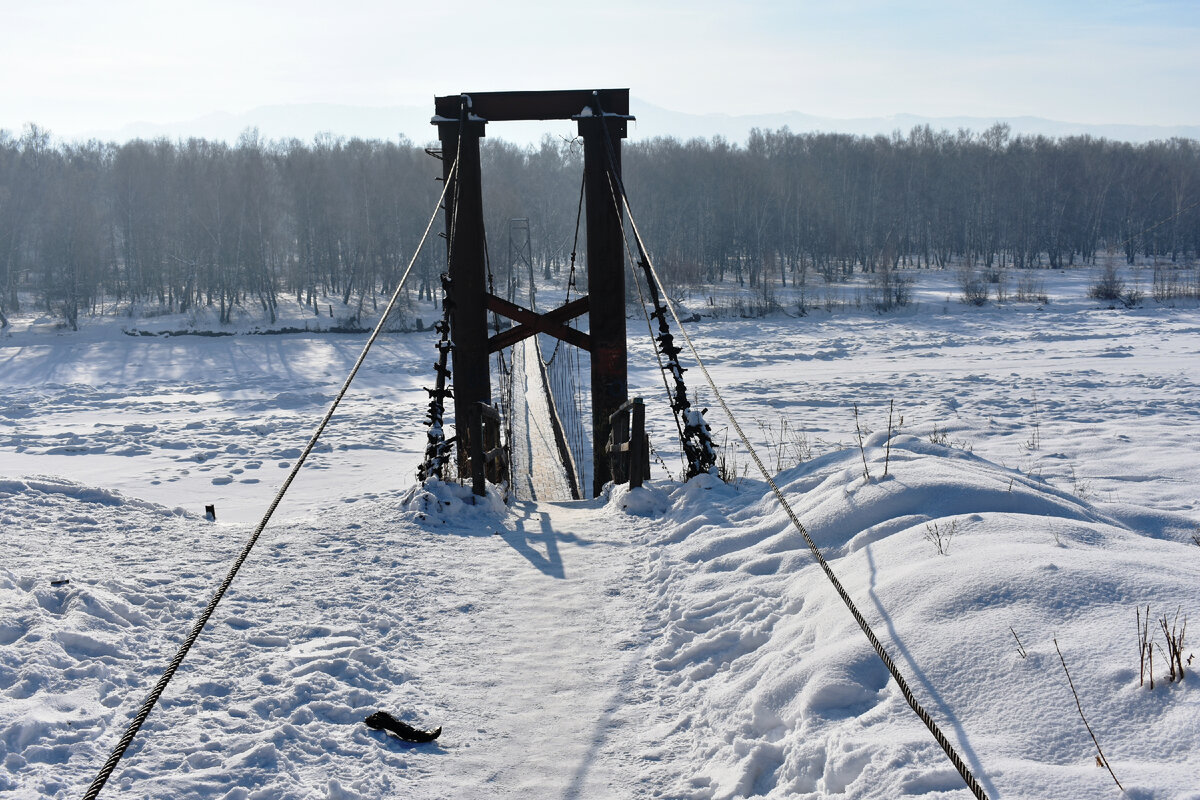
[939, 537]
[1145, 647]
[1100, 757]
[1020, 647]
[861, 449]
[1174, 636]
[900, 424]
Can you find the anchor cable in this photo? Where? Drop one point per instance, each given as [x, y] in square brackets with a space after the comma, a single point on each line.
[152, 699]
[959, 764]
[437, 447]
[699, 450]
[571, 275]
[649, 327]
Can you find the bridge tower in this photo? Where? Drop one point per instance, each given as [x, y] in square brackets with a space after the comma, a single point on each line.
[520, 259]
[602, 116]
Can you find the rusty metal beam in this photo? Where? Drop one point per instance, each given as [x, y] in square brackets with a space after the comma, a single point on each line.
[576, 308]
[506, 106]
[532, 323]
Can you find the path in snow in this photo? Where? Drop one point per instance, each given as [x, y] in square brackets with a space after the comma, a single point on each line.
[534, 689]
[516, 629]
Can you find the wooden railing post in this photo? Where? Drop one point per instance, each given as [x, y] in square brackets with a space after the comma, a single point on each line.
[637, 444]
[628, 448]
[468, 283]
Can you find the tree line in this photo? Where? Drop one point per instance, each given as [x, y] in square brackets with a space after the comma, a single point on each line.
[180, 224]
[789, 202]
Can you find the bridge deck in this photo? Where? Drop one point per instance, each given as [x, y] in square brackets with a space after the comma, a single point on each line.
[537, 462]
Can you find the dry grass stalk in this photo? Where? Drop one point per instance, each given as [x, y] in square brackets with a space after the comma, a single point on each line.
[861, 449]
[1100, 757]
[1174, 636]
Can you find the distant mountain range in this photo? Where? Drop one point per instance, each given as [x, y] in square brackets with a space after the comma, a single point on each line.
[389, 122]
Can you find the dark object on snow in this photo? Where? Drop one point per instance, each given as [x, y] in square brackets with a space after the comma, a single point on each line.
[60, 582]
[383, 721]
[210, 513]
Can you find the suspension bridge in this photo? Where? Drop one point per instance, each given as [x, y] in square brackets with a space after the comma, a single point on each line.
[508, 383]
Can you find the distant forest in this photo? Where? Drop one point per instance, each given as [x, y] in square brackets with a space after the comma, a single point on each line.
[178, 224]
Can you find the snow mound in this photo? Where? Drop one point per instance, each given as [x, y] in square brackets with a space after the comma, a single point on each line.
[644, 501]
[48, 490]
[440, 502]
[780, 694]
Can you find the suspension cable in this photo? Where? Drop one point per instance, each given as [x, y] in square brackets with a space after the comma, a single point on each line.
[963, 770]
[914, 704]
[574, 438]
[649, 328]
[579, 429]
[700, 453]
[122, 745]
[571, 275]
[437, 446]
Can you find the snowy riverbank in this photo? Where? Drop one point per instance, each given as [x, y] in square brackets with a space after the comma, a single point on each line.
[673, 642]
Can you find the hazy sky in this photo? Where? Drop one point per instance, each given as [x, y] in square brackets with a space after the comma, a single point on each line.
[73, 66]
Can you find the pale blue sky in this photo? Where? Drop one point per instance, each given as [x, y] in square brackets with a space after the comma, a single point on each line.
[73, 65]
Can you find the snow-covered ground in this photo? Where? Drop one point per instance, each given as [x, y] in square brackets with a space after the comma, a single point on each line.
[676, 641]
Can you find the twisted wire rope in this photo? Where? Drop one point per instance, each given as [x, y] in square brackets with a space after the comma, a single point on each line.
[152, 699]
[947, 747]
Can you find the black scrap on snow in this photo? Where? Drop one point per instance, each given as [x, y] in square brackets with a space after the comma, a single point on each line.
[383, 721]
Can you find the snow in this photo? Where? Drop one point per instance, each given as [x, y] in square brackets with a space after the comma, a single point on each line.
[756, 637]
[673, 641]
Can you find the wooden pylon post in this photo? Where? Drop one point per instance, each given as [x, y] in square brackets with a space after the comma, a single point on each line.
[465, 242]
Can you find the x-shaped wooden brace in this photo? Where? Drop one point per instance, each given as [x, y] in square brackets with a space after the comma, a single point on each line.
[530, 323]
